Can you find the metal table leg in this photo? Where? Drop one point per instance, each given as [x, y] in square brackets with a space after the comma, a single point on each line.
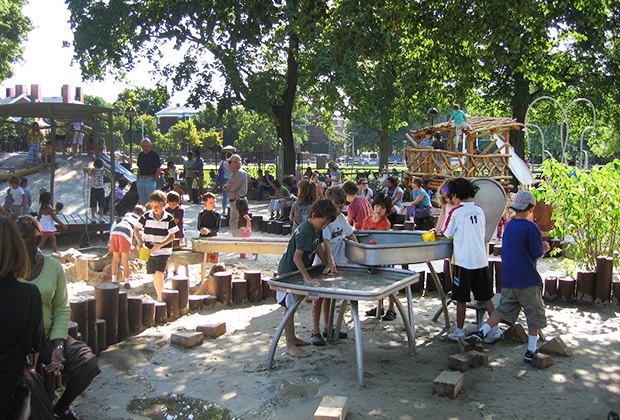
[274, 343]
[410, 313]
[442, 295]
[330, 320]
[403, 315]
[358, 344]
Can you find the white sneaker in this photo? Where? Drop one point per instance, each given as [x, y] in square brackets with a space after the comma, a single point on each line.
[456, 335]
[494, 335]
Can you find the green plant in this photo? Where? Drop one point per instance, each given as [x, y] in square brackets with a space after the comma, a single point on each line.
[586, 206]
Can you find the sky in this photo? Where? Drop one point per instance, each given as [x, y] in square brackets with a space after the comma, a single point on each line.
[47, 63]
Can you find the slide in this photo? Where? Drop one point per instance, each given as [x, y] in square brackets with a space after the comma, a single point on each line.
[517, 165]
[119, 169]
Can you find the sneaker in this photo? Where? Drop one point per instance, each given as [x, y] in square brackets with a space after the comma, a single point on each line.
[341, 334]
[475, 338]
[317, 340]
[494, 335]
[456, 335]
[373, 312]
[529, 356]
[389, 316]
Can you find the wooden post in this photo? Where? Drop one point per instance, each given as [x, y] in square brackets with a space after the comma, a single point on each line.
[409, 225]
[101, 335]
[240, 291]
[106, 295]
[277, 228]
[585, 285]
[447, 275]
[398, 227]
[267, 292]
[123, 320]
[171, 298]
[160, 312]
[604, 272]
[255, 291]
[264, 225]
[499, 278]
[419, 286]
[566, 289]
[430, 283]
[195, 302]
[148, 313]
[92, 325]
[223, 287]
[491, 272]
[497, 250]
[257, 223]
[134, 310]
[271, 226]
[182, 285]
[79, 314]
[551, 289]
[616, 292]
[73, 329]
[286, 229]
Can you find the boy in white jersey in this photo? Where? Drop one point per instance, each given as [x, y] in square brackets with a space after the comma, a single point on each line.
[465, 224]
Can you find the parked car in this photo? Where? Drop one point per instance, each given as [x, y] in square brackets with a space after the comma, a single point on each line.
[371, 162]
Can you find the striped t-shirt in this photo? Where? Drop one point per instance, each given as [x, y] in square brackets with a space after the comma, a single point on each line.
[125, 227]
[156, 231]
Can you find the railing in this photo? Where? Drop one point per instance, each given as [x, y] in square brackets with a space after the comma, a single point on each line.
[446, 164]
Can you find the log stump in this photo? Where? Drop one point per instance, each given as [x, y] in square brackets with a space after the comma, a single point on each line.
[240, 291]
[566, 289]
[161, 313]
[585, 285]
[398, 227]
[419, 285]
[101, 334]
[224, 221]
[555, 243]
[223, 287]
[499, 278]
[182, 285]
[134, 311]
[277, 229]
[497, 250]
[171, 298]
[106, 295]
[264, 225]
[286, 229]
[73, 329]
[209, 300]
[430, 284]
[447, 275]
[267, 292]
[271, 226]
[551, 289]
[79, 314]
[616, 292]
[92, 325]
[148, 313]
[123, 318]
[195, 302]
[409, 225]
[604, 272]
[257, 222]
[255, 291]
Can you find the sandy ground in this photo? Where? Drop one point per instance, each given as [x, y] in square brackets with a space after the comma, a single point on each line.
[231, 370]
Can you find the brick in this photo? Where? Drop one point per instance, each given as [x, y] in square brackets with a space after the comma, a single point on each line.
[458, 362]
[542, 361]
[332, 407]
[209, 300]
[212, 330]
[448, 384]
[477, 358]
[556, 346]
[516, 333]
[464, 346]
[187, 339]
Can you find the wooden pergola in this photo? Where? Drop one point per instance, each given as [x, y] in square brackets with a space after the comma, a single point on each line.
[492, 161]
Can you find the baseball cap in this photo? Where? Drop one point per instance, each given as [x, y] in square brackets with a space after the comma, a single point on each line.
[522, 200]
[235, 158]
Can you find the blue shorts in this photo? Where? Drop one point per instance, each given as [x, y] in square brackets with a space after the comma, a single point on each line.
[467, 281]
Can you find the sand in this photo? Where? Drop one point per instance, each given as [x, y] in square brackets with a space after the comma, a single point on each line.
[231, 370]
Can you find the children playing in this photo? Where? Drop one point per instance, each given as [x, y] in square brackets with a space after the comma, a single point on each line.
[304, 244]
[27, 204]
[47, 217]
[245, 222]
[208, 285]
[522, 283]
[209, 222]
[97, 193]
[170, 176]
[300, 210]
[159, 228]
[17, 197]
[359, 208]
[466, 225]
[120, 243]
[174, 208]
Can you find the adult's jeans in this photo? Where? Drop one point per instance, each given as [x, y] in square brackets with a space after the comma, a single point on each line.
[224, 197]
[145, 187]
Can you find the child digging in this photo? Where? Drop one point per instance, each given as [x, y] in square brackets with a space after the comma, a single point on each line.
[120, 243]
[466, 225]
[522, 283]
[305, 243]
[159, 228]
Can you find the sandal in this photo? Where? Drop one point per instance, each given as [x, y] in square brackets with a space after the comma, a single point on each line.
[317, 340]
[389, 316]
[373, 312]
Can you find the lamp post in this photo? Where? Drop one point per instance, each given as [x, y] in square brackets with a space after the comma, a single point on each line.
[432, 113]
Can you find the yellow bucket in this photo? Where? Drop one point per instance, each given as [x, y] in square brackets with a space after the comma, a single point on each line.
[144, 254]
[429, 236]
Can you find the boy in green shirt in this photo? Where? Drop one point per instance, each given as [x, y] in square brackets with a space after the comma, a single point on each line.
[305, 243]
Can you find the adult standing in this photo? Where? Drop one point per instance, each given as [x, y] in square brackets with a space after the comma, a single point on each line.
[188, 174]
[149, 169]
[334, 176]
[226, 173]
[34, 138]
[237, 188]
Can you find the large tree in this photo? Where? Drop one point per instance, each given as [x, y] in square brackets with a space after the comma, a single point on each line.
[256, 45]
[13, 32]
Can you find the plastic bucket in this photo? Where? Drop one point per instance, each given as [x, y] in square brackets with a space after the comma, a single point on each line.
[429, 236]
[144, 254]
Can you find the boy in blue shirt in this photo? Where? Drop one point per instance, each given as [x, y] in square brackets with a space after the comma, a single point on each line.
[521, 247]
[460, 124]
[305, 243]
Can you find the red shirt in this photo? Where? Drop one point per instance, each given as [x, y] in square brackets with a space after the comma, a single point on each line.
[381, 224]
[358, 211]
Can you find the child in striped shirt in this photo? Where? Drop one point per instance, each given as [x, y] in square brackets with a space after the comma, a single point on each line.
[120, 243]
[158, 228]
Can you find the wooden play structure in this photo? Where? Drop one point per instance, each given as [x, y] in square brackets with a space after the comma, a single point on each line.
[488, 151]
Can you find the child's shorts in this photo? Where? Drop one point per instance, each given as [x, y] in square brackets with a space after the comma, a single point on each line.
[119, 244]
[285, 299]
[48, 234]
[467, 281]
[528, 298]
[157, 263]
[97, 198]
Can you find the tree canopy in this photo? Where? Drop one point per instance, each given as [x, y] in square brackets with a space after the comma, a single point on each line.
[13, 32]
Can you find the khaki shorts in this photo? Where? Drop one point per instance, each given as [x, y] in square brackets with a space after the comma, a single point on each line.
[528, 298]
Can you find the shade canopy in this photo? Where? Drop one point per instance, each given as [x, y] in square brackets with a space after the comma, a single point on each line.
[56, 110]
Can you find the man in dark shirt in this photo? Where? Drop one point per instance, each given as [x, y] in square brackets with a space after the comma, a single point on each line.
[149, 168]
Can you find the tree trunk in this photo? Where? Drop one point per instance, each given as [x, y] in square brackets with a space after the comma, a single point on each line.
[520, 102]
[384, 149]
[284, 112]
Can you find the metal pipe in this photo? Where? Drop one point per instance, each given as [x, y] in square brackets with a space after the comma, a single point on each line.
[403, 315]
[274, 343]
[359, 355]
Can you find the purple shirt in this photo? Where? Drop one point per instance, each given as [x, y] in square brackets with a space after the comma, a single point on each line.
[177, 214]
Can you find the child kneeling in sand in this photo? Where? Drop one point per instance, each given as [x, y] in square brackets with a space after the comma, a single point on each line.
[305, 243]
[120, 243]
[522, 284]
